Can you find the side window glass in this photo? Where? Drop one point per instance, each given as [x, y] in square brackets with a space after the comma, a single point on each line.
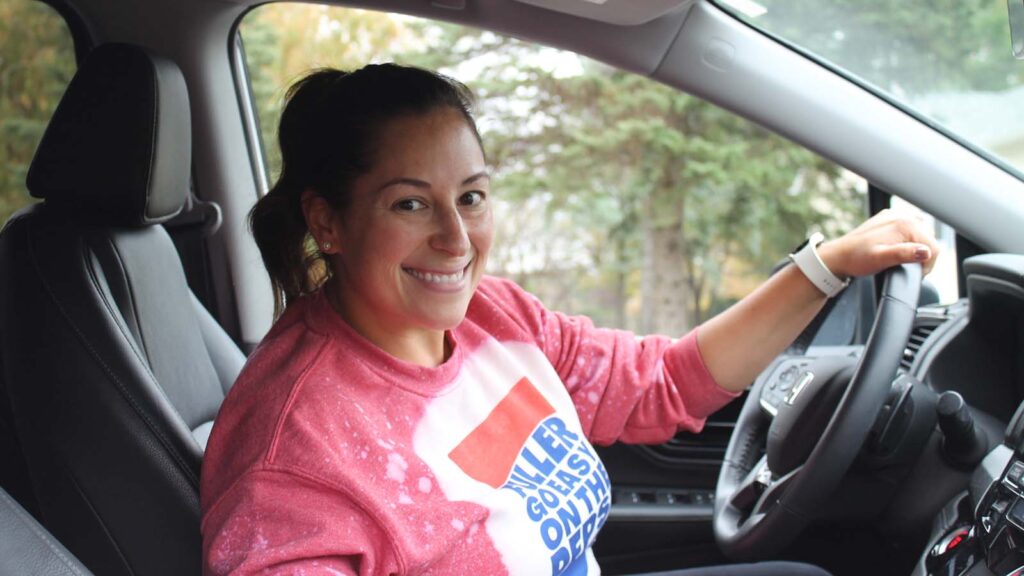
[617, 197]
[941, 285]
[37, 61]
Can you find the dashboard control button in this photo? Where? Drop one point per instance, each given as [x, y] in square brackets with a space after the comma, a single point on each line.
[986, 523]
[1015, 472]
[1016, 514]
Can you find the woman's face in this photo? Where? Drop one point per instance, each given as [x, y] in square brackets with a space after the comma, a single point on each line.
[414, 239]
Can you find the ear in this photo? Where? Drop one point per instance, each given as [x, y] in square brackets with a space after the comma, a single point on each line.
[323, 222]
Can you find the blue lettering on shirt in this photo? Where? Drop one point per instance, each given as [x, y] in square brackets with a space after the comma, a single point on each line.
[565, 491]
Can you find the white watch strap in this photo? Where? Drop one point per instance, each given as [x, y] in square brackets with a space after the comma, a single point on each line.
[808, 261]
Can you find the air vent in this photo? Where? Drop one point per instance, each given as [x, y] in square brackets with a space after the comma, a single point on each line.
[922, 330]
[708, 446]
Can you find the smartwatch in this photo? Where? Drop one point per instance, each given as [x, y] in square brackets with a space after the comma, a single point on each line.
[807, 260]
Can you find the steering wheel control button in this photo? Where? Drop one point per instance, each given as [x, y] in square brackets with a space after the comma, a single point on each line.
[799, 387]
[788, 376]
[781, 384]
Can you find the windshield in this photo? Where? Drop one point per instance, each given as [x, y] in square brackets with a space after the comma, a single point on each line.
[949, 60]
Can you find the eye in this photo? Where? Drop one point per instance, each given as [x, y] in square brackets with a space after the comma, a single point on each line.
[408, 205]
[474, 198]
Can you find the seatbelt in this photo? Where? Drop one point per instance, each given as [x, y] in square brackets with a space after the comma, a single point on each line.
[197, 221]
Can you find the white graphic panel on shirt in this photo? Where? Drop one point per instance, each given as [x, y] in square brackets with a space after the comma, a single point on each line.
[506, 436]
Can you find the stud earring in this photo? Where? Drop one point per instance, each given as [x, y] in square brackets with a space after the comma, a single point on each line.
[327, 246]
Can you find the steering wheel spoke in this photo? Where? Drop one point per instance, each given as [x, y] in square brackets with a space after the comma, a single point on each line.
[774, 491]
[752, 487]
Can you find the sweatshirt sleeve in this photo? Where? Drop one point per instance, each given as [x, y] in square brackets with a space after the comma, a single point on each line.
[625, 388]
[277, 522]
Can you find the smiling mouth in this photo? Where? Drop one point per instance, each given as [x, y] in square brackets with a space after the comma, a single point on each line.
[434, 278]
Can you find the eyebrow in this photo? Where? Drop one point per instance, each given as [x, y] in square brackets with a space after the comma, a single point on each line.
[475, 177]
[426, 185]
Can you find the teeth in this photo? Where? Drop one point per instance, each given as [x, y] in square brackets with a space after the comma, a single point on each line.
[437, 278]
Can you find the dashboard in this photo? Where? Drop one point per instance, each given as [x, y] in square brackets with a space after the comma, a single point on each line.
[975, 348]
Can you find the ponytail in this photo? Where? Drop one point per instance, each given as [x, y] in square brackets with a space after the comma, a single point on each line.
[286, 246]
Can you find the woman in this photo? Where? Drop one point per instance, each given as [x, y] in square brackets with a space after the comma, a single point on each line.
[407, 414]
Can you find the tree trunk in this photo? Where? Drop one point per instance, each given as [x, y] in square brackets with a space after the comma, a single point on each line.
[620, 284]
[665, 292]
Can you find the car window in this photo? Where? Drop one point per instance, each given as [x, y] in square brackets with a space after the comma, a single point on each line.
[617, 197]
[943, 277]
[952, 64]
[37, 61]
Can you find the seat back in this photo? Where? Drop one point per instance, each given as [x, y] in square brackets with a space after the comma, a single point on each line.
[114, 370]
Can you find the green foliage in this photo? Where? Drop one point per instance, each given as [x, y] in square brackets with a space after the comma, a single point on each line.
[906, 46]
[624, 199]
[37, 61]
[620, 198]
[624, 159]
[610, 181]
[284, 41]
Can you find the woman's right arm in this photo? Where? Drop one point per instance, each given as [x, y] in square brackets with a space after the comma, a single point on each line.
[281, 522]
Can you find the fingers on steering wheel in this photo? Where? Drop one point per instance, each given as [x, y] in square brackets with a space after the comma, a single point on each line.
[905, 253]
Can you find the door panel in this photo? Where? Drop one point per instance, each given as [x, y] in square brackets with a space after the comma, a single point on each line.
[662, 499]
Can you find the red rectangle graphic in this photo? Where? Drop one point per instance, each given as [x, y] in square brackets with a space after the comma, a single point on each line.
[489, 451]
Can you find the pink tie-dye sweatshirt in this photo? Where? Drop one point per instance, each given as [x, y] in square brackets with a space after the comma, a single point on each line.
[330, 456]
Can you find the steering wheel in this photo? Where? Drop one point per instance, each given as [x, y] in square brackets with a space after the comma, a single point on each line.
[761, 505]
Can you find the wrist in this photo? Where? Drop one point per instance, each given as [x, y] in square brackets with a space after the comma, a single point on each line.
[834, 257]
[814, 266]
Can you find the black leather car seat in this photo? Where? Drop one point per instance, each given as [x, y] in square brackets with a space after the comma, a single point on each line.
[114, 369]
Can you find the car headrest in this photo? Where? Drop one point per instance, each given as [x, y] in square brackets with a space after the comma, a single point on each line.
[118, 149]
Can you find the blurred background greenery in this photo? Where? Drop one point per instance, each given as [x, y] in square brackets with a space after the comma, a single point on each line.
[619, 198]
[37, 60]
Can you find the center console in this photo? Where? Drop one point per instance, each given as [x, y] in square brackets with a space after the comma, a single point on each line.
[999, 521]
[981, 533]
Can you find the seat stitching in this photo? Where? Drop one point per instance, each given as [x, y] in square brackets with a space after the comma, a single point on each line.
[120, 385]
[45, 537]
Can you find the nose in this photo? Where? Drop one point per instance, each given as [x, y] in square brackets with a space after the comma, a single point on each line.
[451, 235]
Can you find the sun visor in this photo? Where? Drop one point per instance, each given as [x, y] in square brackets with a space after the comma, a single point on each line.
[619, 12]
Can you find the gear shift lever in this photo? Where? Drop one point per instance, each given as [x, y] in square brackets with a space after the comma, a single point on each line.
[964, 444]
